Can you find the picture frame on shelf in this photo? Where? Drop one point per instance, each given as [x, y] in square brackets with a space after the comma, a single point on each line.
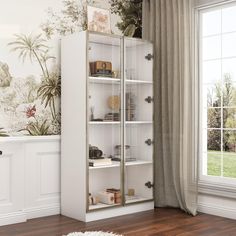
[98, 19]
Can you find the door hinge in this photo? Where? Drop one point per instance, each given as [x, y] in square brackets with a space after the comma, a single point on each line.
[149, 56]
[149, 184]
[149, 142]
[149, 99]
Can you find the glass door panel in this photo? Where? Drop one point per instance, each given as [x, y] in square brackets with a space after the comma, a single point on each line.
[138, 101]
[138, 57]
[104, 121]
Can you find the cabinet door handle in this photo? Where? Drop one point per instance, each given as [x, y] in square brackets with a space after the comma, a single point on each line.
[149, 184]
[149, 99]
[149, 56]
[149, 142]
[0, 152]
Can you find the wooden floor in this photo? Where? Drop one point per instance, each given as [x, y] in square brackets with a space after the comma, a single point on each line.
[165, 222]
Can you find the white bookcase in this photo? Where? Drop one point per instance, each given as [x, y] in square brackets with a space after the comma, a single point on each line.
[126, 133]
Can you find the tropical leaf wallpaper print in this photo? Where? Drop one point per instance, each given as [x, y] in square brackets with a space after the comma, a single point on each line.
[30, 81]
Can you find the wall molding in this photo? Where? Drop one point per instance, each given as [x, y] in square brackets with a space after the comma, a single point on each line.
[217, 189]
[29, 213]
[35, 191]
[42, 211]
[211, 193]
[217, 210]
[13, 218]
[46, 138]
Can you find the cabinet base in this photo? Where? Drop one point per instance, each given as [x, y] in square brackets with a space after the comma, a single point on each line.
[119, 211]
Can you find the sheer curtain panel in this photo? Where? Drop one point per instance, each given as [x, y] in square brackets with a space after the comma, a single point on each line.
[168, 24]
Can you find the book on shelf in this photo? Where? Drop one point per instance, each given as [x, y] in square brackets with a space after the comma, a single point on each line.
[100, 162]
[130, 106]
[127, 158]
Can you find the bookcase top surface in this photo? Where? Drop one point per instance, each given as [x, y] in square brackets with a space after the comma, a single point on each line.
[108, 38]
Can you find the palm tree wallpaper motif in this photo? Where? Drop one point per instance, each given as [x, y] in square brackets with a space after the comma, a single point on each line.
[31, 47]
[34, 47]
[30, 105]
[41, 100]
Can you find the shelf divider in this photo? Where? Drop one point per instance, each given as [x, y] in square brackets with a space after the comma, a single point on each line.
[118, 122]
[129, 81]
[104, 80]
[117, 164]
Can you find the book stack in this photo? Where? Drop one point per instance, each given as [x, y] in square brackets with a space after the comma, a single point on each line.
[130, 107]
[100, 162]
[127, 158]
[112, 117]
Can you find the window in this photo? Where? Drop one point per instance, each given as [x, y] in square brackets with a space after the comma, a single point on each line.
[218, 92]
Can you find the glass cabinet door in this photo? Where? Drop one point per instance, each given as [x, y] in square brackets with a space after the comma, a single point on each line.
[104, 121]
[138, 132]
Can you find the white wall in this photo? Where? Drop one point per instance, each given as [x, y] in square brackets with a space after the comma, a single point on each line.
[217, 205]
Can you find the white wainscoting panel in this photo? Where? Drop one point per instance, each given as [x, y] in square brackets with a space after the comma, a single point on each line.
[217, 205]
[29, 178]
[11, 182]
[42, 178]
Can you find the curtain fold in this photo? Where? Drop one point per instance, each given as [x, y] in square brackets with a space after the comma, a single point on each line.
[168, 24]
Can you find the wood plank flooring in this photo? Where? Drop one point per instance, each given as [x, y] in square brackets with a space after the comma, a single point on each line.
[162, 221]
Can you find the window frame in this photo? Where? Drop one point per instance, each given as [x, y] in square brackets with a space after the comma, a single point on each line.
[217, 185]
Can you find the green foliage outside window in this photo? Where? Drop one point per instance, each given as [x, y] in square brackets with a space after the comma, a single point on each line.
[228, 94]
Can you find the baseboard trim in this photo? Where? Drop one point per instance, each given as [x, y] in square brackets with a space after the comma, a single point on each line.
[29, 213]
[217, 210]
[42, 211]
[12, 218]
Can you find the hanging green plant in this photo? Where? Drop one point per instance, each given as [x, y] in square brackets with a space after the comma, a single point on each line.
[130, 13]
[130, 30]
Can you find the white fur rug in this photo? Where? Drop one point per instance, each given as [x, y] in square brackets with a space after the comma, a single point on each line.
[93, 233]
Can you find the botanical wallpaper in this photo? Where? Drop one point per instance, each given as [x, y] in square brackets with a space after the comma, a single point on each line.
[30, 81]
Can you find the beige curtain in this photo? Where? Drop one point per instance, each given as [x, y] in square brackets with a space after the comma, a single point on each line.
[168, 24]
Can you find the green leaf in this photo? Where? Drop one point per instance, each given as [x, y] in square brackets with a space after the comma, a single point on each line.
[130, 30]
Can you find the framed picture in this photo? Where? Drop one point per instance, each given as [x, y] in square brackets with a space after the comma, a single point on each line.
[99, 19]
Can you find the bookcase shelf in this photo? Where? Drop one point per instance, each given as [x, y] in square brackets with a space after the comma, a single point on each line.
[108, 80]
[117, 164]
[138, 122]
[125, 105]
[118, 122]
[128, 81]
[101, 206]
[104, 80]
[138, 199]
[104, 122]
